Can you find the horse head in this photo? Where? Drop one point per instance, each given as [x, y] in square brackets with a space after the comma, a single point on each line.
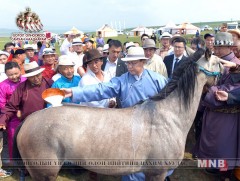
[211, 66]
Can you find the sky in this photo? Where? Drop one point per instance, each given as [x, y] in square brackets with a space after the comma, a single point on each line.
[90, 15]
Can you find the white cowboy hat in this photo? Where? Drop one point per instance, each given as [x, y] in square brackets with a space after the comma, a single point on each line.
[4, 53]
[28, 47]
[130, 44]
[77, 41]
[65, 60]
[32, 69]
[105, 47]
[166, 35]
[48, 51]
[135, 53]
[149, 43]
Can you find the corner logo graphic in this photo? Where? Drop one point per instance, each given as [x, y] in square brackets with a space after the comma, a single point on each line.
[29, 21]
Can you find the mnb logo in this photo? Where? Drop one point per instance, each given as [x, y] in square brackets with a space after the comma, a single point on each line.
[213, 163]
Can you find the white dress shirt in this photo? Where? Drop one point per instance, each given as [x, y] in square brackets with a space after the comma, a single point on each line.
[88, 79]
[110, 69]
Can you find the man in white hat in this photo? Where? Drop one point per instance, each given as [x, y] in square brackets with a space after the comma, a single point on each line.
[3, 60]
[154, 62]
[138, 77]
[77, 54]
[28, 95]
[4, 57]
[67, 43]
[49, 62]
[65, 67]
[105, 50]
[166, 45]
[29, 51]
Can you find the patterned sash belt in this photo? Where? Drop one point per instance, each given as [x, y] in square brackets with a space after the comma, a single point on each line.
[229, 110]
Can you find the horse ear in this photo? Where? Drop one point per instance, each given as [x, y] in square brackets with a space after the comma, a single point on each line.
[198, 54]
[208, 54]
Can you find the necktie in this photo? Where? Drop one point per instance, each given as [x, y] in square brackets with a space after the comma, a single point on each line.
[176, 63]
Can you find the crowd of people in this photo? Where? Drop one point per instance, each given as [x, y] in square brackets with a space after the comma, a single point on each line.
[115, 75]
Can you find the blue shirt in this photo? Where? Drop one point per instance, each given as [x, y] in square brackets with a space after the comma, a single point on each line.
[126, 87]
[63, 82]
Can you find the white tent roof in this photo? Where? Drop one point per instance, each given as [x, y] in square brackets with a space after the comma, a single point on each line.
[187, 26]
[106, 27]
[141, 28]
[170, 24]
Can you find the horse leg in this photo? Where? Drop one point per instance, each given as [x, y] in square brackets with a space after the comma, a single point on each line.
[48, 173]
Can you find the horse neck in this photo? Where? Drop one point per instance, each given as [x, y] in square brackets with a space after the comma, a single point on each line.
[181, 116]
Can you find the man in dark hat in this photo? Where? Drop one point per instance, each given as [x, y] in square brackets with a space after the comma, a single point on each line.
[88, 44]
[213, 143]
[154, 62]
[94, 75]
[209, 41]
[19, 57]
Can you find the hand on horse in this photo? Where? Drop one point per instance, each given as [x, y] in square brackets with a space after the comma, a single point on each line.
[221, 95]
[67, 92]
[112, 103]
[228, 63]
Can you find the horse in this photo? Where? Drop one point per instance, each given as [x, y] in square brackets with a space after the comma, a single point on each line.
[149, 137]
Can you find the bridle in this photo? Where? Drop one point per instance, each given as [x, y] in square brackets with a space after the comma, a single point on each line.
[208, 73]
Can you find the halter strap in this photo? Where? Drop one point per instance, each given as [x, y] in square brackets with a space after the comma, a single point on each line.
[207, 72]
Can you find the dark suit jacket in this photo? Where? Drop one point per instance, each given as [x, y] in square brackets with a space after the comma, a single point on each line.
[121, 69]
[168, 60]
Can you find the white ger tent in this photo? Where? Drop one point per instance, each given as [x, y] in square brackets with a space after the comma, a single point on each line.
[141, 30]
[107, 31]
[186, 28]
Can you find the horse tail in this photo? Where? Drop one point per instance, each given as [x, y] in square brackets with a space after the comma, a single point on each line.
[16, 155]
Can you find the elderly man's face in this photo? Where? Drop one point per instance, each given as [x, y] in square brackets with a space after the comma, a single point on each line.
[49, 59]
[149, 52]
[221, 51]
[36, 79]
[3, 59]
[67, 71]
[77, 48]
[165, 42]
[135, 67]
[29, 53]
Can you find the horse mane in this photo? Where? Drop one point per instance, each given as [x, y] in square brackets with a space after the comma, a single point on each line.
[183, 80]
